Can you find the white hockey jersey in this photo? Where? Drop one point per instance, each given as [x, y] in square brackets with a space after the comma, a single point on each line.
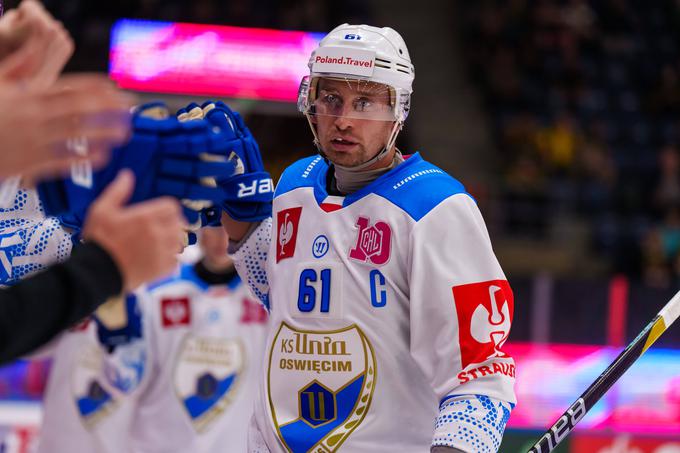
[29, 241]
[89, 403]
[85, 406]
[206, 343]
[196, 365]
[388, 313]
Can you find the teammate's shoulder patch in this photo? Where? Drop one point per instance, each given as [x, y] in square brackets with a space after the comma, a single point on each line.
[302, 173]
[175, 311]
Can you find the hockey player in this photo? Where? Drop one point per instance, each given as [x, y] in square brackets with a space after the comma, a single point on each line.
[170, 159]
[87, 404]
[206, 337]
[86, 401]
[388, 307]
[92, 390]
[181, 378]
[41, 115]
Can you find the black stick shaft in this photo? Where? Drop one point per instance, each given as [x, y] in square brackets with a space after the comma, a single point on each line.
[566, 423]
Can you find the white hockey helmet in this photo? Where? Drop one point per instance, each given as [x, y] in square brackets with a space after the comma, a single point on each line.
[364, 53]
[375, 59]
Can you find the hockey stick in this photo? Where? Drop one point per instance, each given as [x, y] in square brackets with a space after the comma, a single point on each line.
[566, 423]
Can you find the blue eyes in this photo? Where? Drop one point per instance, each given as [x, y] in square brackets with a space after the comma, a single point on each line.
[335, 102]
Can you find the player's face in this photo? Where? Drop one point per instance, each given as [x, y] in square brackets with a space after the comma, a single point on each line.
[213, 242]
[346, 134]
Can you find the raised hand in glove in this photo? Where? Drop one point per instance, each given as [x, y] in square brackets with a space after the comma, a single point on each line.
[168, 157]
[249, 192]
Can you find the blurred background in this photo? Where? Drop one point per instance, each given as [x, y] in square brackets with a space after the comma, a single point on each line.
[561, 117]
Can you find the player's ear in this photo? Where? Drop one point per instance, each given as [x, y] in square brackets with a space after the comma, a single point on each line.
[312, 114]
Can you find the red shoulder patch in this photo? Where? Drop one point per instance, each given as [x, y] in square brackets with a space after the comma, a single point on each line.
[485, 311]
[286, 232]
[175, 312]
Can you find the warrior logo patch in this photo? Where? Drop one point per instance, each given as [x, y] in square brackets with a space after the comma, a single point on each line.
[373, 242]
[484, 315]
[206, 377]
[320, 386]
[286, 232]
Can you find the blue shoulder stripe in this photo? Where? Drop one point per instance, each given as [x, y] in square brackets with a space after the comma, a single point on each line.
[187, 273]
[302, 173]
[161, 282]
[416, 186]
[234, 282]
[184, 273]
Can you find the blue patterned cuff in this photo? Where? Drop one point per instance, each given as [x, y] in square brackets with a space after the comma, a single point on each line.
[473, 423]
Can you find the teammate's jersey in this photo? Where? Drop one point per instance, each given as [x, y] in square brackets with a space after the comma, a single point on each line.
[85, 404]
[89, 402]
[206, 343]
[29, 241]
[388, 310]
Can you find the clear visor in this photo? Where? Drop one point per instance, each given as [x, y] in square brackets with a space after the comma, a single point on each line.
[348, 98]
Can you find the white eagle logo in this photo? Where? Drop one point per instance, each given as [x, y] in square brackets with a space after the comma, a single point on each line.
[285, 233]
[493, 327]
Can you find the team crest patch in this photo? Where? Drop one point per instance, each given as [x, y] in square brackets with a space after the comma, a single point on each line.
[373, 242]
[124, 367]
[485, 312]
[286, 232]
[320, 386]
[94, 399]
[207, 376]
[100, 380]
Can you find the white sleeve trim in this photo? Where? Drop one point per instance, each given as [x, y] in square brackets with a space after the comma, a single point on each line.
[250, 260]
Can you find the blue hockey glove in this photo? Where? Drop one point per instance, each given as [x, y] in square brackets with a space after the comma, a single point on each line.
[168, 157]
[210, 216]
[249, 191]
